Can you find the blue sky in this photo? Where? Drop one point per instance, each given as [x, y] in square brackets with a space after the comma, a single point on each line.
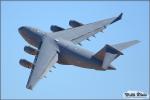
[67, 82]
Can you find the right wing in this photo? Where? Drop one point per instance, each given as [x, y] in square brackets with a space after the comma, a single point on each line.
[78, 34]
[46, 58]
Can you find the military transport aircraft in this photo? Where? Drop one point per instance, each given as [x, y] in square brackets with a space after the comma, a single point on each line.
[61, 46]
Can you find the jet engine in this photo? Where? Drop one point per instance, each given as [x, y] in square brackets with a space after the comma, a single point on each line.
[55, 28]
[26, 63]
[30, 50]
[74, 23]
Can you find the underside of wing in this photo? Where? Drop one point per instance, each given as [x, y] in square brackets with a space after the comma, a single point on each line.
[46, 58]
[80, 32]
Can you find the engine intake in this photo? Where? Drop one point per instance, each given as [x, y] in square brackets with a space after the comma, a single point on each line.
[26, 63]
[31, 50]
[74, 23]
[55, 28]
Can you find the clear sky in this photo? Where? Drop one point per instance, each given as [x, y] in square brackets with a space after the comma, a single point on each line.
[67, 82]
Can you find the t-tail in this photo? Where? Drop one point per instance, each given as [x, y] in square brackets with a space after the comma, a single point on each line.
[110, 52]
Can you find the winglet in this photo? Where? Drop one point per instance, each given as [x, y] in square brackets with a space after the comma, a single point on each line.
[29, 87]
[118, 18]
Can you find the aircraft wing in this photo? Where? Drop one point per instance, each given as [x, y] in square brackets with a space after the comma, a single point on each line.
[46, 58]
[78, 34]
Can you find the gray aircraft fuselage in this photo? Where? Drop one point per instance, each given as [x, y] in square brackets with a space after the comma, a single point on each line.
[69, 53]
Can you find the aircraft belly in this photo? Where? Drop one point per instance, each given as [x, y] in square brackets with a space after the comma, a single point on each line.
[78, 59]
[71, 54]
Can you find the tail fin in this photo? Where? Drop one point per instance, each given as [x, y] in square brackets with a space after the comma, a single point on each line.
[108, 53]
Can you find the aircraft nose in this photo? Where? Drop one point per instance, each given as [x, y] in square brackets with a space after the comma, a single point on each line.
[22, 28]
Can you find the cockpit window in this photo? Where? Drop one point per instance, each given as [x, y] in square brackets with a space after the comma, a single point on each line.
[36, 30]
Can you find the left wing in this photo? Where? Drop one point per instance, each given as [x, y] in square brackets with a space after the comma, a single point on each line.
[78, 34]
[46, 58]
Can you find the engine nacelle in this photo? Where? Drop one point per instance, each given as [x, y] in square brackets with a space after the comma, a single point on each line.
[74, 23]
[31, 50]
[26, 63]
[55, 28]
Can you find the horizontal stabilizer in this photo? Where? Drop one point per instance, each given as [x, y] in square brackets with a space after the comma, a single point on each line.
[110, 52]
[107, 49]
[125, 45]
